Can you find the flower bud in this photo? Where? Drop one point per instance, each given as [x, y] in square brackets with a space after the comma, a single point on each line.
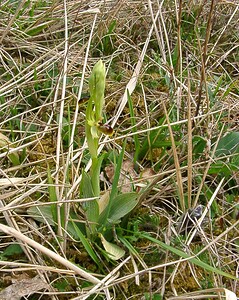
[97, 88]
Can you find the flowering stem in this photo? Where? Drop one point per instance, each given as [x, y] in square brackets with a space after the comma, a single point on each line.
[92, 125]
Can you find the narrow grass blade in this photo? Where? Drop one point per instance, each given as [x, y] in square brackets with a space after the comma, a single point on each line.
[206, 294]
[176, 162]
[52, 195]
[114, 189]
[183, 254]
[86, 244]
[131, 249]
[190, 149]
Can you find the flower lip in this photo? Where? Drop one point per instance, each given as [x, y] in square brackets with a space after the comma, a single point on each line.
[84, 99]
[105, 128]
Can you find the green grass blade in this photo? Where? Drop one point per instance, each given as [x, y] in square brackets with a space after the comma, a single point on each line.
[52, 195]
[131, 249]
[193, 260]
[86, 244]
[114, 190]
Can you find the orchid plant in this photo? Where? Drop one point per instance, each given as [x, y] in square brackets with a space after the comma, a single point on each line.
[102, 212]
[94, 127]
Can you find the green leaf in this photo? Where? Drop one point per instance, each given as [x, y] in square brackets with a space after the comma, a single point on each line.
[14, 158]
[235, 160]
[114, 252]
[131, 249]
[91, 207]
[148, 296]
[52, 195]
[104, 215]
[199, 144]
[114, 188]
[6, 145]
[39, 28]
[122, 205]
[95, 174]
[61, 285]
[222, 168]
[41, 214]
[90, 121]
[155, 139]
[228, 144]
[107, 45]
[86, 190]
[13, 249]
[86, 243]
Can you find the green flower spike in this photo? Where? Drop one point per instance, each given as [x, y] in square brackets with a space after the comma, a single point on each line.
[93, 118]
[95, 106]
[93, 125]
[97, 88]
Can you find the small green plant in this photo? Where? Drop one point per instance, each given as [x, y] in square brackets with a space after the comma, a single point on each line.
[102, 214]
[11, 250]
[6, 146]
[93, 125]
[106, 45]
[148, 296]
[94, 118]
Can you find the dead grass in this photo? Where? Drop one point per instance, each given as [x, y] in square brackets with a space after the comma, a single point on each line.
[47, 52]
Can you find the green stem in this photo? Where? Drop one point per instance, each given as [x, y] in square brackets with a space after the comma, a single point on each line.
[95, 168]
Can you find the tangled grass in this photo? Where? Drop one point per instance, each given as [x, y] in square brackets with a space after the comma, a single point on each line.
[172, 95]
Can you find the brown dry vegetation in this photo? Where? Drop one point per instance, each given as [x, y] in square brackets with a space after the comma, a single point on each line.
[180, 65]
